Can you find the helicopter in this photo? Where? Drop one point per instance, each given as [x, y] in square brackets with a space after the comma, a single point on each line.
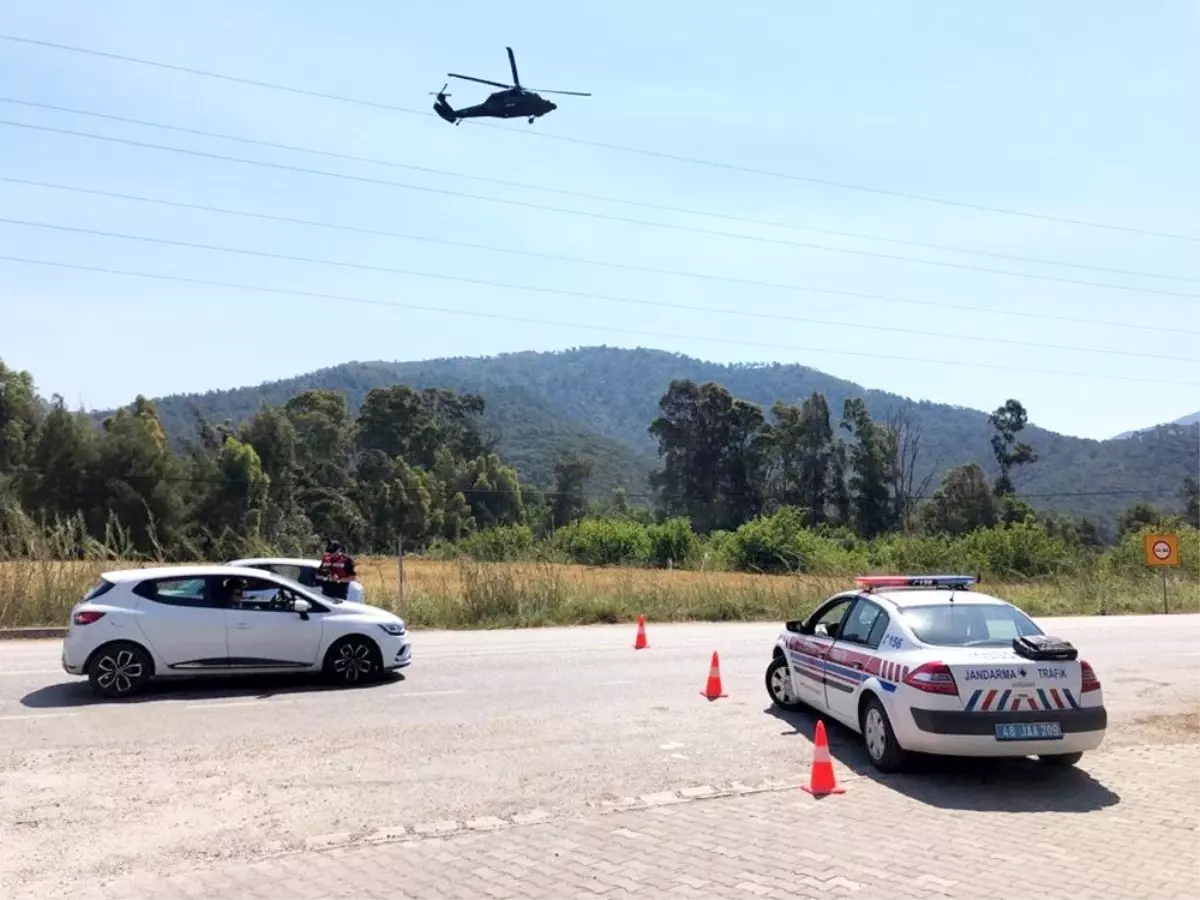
[512, 102]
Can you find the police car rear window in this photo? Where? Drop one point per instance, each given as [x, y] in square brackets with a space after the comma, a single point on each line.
[968, 624]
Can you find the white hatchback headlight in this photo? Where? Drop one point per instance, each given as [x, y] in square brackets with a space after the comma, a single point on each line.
[394, 628]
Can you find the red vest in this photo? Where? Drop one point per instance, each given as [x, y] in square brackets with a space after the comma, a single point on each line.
[333, 566]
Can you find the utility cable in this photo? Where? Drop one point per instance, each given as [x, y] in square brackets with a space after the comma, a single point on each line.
[602, 145]
[582, 295]
[648, 495]
[587, 214]
[587, 196]
[958, 363]
[629, 267]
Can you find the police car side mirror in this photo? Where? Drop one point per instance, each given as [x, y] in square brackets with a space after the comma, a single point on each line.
[796, 626]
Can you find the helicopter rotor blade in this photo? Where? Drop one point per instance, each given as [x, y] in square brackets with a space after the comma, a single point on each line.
[480, 80]
[572, 93]
[512, 62]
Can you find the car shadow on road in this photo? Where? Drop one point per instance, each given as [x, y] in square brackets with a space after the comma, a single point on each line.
[978, 784]
[70, 694]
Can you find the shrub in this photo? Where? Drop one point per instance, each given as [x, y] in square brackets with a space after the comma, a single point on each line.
[1023, 548]
[605, 542]
[780, 542]
[672, 541]
[503, 543]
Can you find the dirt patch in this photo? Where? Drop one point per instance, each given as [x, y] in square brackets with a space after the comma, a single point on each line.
[1171, 726]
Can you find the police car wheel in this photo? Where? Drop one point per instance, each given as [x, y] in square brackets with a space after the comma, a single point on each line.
[1058, 760]
[882, 747]
[779, 685]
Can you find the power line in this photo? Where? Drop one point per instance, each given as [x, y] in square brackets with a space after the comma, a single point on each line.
[605, 146]
[580, 325]
[651, 270]
[463, 279]
[648, 495]
[588, 196]
[588, 214]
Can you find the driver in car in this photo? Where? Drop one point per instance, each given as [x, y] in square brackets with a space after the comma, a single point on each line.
[235, 592]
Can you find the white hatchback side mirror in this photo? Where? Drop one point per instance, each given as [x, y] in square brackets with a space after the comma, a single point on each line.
[301, 606]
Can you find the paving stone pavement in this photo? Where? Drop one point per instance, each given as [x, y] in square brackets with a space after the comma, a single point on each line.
[1124, 824]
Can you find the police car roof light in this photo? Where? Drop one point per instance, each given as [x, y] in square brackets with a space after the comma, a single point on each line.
[916, 581]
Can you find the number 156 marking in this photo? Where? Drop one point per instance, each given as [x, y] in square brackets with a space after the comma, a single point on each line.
[893, 641]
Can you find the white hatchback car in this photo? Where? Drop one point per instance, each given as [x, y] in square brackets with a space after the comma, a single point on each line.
[138, 624]
[922, 664]
[302, 571]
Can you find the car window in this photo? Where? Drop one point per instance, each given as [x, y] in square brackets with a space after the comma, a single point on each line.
[286, 570]
[860, 622]
[175, 591]
[968, 624]
[827, 624]
[260, 595]
[877, 630]
[96, 590]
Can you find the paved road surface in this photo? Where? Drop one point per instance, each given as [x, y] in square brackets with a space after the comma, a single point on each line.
[492, 728]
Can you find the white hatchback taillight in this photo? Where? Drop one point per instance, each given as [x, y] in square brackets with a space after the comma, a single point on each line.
[933, 678]
[87, 617]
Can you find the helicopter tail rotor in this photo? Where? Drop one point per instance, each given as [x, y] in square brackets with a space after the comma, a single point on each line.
[442, 92]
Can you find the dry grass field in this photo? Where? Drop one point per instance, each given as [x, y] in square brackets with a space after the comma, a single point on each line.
[481, 595]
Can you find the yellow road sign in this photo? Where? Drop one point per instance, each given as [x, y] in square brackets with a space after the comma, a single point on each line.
[1161, 549]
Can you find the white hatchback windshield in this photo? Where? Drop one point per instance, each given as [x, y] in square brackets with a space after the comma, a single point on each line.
[968, 624]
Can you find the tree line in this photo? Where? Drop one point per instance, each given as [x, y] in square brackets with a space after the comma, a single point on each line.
[416, 466]
[725, 463]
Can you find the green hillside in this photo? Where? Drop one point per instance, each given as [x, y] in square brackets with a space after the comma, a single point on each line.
[600, 400]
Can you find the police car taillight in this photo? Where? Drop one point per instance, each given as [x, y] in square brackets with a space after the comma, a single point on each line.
[933, 678]
[1090, 681]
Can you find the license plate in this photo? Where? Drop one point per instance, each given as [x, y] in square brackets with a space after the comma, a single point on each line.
[1028, 731]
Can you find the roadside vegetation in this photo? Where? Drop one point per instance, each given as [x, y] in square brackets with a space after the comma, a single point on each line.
[752, 514]
[601, 572]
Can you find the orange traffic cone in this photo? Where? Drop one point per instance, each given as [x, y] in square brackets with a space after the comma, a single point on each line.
[640, 642]
[821, 781]
[712, 690]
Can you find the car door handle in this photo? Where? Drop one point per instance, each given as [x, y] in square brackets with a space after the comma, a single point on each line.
[242, 625]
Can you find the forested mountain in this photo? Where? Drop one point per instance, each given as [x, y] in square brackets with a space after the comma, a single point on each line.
[1190, 419]
[601, 400]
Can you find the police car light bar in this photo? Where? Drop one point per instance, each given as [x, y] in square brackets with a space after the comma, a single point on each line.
[936, 581]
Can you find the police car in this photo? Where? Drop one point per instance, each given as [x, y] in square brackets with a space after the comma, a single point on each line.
[923, 664]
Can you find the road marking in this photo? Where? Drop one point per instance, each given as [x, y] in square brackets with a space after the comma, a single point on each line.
[398, 694]
[57, 671]
[62, 715]
[612, 683]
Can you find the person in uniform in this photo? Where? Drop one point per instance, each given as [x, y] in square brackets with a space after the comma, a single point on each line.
[336, 571]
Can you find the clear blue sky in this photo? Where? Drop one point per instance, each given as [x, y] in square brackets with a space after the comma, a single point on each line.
[1083, 110]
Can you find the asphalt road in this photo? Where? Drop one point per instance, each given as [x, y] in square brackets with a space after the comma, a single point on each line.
[483, 724]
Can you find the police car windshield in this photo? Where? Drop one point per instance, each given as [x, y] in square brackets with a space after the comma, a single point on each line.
[968, 624]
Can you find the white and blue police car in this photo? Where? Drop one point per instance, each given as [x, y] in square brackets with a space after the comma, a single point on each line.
[924, 664]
